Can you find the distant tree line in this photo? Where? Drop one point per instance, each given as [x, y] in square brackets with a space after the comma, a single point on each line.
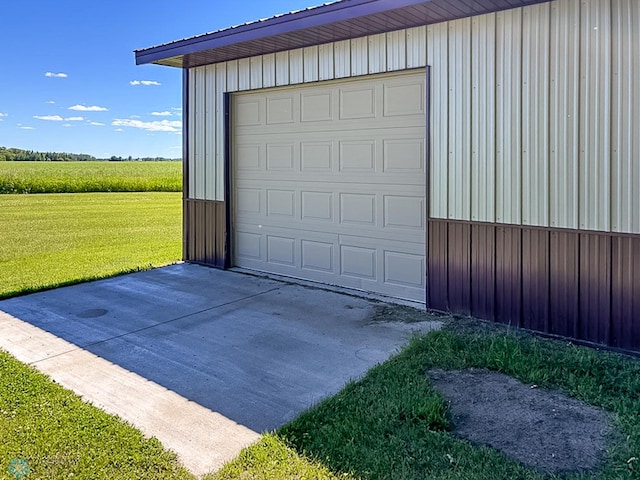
[19, 155]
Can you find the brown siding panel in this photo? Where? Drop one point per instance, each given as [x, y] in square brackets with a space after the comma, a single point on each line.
[205, 232]
[595, 288]
[626, 293]
[483, 270]
[437, 273]
[535, 279]
[563, 283]
[508, 275]
[459, 266]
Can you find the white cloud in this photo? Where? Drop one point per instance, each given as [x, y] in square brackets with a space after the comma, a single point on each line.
[56, 75]
[135, 116]
[155, 126]
[162, 114]
[3, 115]
[97, 124]
[25, 127]
[119, 129]
[52, 118]
[83, 108]
[74, 119]
[67, 125]
[177, 109]
[50, 102]
[146, 83]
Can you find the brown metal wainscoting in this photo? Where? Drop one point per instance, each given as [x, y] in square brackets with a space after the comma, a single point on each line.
[204, 235]
[572, 283]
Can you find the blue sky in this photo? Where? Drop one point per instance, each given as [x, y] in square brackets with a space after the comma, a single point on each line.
[68, 79]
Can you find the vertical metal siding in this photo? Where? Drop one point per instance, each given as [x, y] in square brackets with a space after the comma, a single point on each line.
[396, 51]
[232, 76]
[459, 119]
[483, 270]
[359, 57]
[509, 116]
[199, 124]
[438, 59]
[256, 72]
[563, 283]
[438, 273]
[244, 74]
[416, 47]
[459, 267]
[625, 307]
[625, 131]
[282, 68]
[296, 66]
[508, 254]
[595, 115]
[377, 53]
[221, 84]
[310, 69]
[483, 118]
[595, 288]
[564, 114]
[210, 135]
[535, 279]
[268, 70]
[535, 115]
[326, 62]
[342, 56]
[191, 141]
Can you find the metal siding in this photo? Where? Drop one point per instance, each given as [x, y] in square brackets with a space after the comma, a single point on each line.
[205, 232]
[269, 70]
[326, 62]
[508, 303]
[342, 56]
[535, 279]
[296, 66]
[483, 113]
[221, 84]
[210, 129]
[377, 53]
[564, 114]
[232, 76]
[191, 140]
[438, 59]
[438, 271]
[310, 69]
[483, 270]
[459, 266]
[416, 47]
[535, 116]
[460, 119]
[509, 117]
[625, 131]
[244, 74]
[200, 138]
[625, 307]
[282, 68]
[563, 283]
[359, 57]
[396, 50]
[256, 72]
[595, 288]
[595, 115]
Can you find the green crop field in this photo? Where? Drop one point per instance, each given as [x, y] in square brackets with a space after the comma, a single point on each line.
[56, 239]
[75, 177]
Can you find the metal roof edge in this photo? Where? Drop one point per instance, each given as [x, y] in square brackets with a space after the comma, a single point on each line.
[280, 24]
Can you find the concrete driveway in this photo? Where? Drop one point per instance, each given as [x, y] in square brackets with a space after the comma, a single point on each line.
[202, 359]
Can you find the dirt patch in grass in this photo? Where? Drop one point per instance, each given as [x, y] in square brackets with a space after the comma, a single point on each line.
[540, 428]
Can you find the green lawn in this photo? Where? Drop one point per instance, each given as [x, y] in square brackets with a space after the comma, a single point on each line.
[70, 177]
[50, 240]
[393, 424]
[48, 433]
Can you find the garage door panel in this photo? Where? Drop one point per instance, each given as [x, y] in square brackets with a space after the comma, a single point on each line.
[329, 186]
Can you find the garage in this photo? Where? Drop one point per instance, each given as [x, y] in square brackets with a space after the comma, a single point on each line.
[329, 182]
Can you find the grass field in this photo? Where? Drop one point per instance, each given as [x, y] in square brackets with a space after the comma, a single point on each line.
[56, 239]
[74, 177]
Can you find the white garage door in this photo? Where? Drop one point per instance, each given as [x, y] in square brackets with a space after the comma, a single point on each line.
[329, 182]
